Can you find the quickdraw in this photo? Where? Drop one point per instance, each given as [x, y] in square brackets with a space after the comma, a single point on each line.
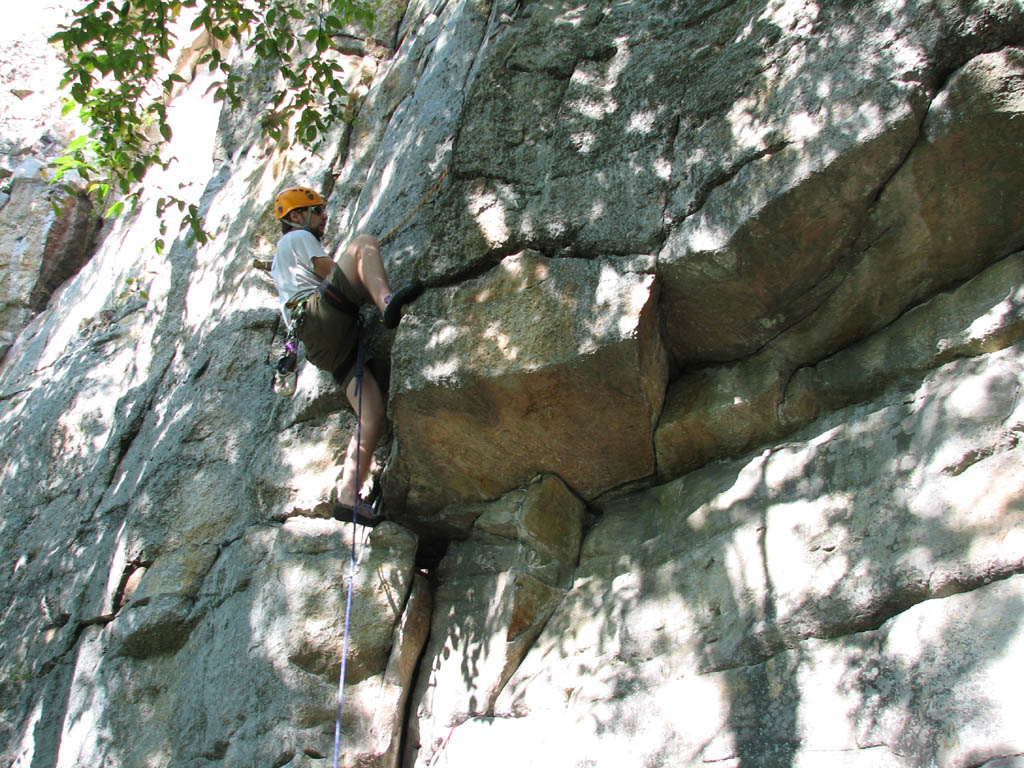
[286, 372]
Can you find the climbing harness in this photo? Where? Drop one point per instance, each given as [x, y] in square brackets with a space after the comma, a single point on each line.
[360, 361]
[334, 298]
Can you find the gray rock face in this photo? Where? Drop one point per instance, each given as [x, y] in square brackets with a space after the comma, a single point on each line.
[905, 257]
[496, 591]
[877, 553]
[911, 692]
[244, 668]
[39, 249]
[705, 436]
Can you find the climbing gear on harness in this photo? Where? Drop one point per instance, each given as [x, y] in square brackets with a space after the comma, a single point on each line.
[295, 197]
[286, 374]
[396, 301]
[286, 371]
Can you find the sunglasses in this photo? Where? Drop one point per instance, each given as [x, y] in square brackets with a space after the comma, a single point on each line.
[318, 210]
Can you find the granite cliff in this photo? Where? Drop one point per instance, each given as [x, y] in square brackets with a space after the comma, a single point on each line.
[704, 440]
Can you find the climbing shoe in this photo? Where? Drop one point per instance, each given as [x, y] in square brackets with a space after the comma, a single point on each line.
[396, 301]
[364, 514]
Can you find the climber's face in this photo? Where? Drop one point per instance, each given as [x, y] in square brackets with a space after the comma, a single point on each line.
[317, 219]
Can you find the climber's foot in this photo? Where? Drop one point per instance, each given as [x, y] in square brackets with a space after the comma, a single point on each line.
[396, 301]
[363, 513]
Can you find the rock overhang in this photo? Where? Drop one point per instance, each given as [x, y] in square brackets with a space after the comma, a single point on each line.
[506, 376]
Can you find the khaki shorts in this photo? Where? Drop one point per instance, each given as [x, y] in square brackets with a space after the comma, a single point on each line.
[331, 335]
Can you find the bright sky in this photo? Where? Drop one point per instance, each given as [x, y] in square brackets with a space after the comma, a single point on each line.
[32, 19]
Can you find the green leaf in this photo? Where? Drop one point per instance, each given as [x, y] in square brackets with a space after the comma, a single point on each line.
[112, 49]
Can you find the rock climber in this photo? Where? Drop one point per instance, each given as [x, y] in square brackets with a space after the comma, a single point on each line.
[320, 299]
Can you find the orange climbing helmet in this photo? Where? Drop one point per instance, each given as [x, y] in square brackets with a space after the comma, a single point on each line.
[295, 197]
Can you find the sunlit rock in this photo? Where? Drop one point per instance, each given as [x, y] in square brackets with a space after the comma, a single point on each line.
[495, 592]
[758, 254]
[718, 412]
[706, 597]
[946, 214]
[852, 702]
[924, 235]
[255, 677]
[723, 411]
[765, 265]
[984, 315]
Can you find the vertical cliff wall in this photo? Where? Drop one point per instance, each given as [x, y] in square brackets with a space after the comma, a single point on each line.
[704, 438]
[39, 249]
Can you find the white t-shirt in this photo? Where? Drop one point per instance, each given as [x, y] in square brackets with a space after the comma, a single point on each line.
[292, 269]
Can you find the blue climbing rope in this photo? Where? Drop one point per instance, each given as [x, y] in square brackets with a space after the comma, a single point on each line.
[352, 552]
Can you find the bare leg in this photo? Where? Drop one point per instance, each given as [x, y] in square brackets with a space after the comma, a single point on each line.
[362, 264]
[370, 430]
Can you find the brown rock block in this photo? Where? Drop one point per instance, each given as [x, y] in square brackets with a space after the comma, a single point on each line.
[539, 366]
[950, 210]
[719, 412]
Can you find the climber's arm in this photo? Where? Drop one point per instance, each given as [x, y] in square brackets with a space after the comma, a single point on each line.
[322, 266]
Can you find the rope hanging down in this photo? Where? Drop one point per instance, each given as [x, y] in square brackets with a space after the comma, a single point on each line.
[360, 355]
[265, 266]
